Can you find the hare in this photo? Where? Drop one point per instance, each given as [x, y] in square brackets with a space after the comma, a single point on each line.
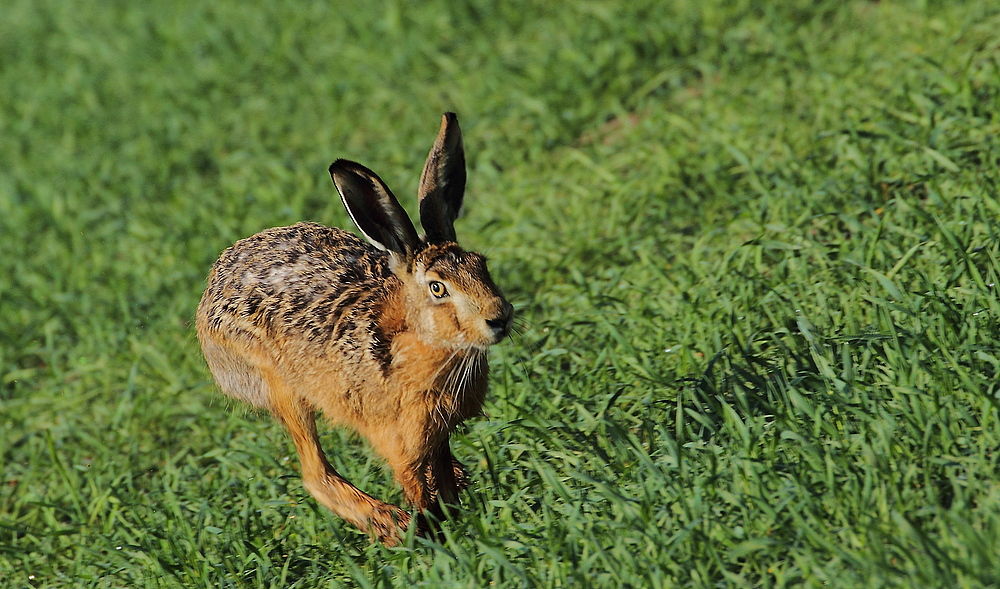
[388, 338]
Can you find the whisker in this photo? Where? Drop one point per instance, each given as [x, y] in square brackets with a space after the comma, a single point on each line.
[449, 382]
[444, 365]
[456, 375]
[463, 384]
[476, 367]
[453, 375]
[452, 389]
[521, 360]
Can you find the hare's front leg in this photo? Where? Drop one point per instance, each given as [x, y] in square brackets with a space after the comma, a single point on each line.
[445, 476]
[427, 475]
[386, 522]
[461, 476]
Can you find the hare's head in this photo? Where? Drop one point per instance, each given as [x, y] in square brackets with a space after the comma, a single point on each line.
[451, 300]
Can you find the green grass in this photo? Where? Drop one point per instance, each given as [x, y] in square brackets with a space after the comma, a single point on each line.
[754, 251]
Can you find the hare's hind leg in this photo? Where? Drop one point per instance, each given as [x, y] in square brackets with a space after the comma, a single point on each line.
[386, 522]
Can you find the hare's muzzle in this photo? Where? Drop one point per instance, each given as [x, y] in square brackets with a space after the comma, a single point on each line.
[500, 325]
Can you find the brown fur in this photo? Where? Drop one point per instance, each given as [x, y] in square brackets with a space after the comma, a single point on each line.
[304, 318]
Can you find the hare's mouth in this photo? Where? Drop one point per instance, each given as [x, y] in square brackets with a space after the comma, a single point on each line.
[499, 327]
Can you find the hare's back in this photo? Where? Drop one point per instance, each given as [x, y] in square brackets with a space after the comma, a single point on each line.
[298, 281]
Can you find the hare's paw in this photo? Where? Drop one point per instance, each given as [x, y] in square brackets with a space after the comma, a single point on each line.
[461, 477]
[389, 524]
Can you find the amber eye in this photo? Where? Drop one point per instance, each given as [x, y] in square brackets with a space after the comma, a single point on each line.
[438, 289]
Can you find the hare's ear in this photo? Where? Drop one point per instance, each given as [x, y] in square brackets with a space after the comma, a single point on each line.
[374, 209]
[442, 183]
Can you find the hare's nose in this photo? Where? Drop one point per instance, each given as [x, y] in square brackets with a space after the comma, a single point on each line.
[502, 322]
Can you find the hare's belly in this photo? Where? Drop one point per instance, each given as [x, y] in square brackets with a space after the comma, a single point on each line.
[235, 374]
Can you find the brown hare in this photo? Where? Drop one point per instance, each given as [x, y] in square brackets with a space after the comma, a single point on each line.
[389, 339]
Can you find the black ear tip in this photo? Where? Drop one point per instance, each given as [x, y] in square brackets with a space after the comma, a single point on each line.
[342, 166]
[449, 120]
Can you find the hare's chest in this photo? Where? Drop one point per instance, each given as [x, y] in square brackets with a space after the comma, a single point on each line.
[450, 383]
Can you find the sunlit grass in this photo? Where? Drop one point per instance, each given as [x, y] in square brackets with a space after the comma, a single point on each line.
[754, 253]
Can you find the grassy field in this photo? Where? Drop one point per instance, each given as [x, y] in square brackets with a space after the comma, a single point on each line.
[754, 252]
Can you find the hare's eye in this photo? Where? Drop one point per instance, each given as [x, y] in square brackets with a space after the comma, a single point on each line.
[438, 289]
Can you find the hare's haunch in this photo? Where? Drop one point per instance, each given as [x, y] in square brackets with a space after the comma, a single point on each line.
[388, 338]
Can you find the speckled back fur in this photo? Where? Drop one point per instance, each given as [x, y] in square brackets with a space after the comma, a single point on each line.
[313, 287]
